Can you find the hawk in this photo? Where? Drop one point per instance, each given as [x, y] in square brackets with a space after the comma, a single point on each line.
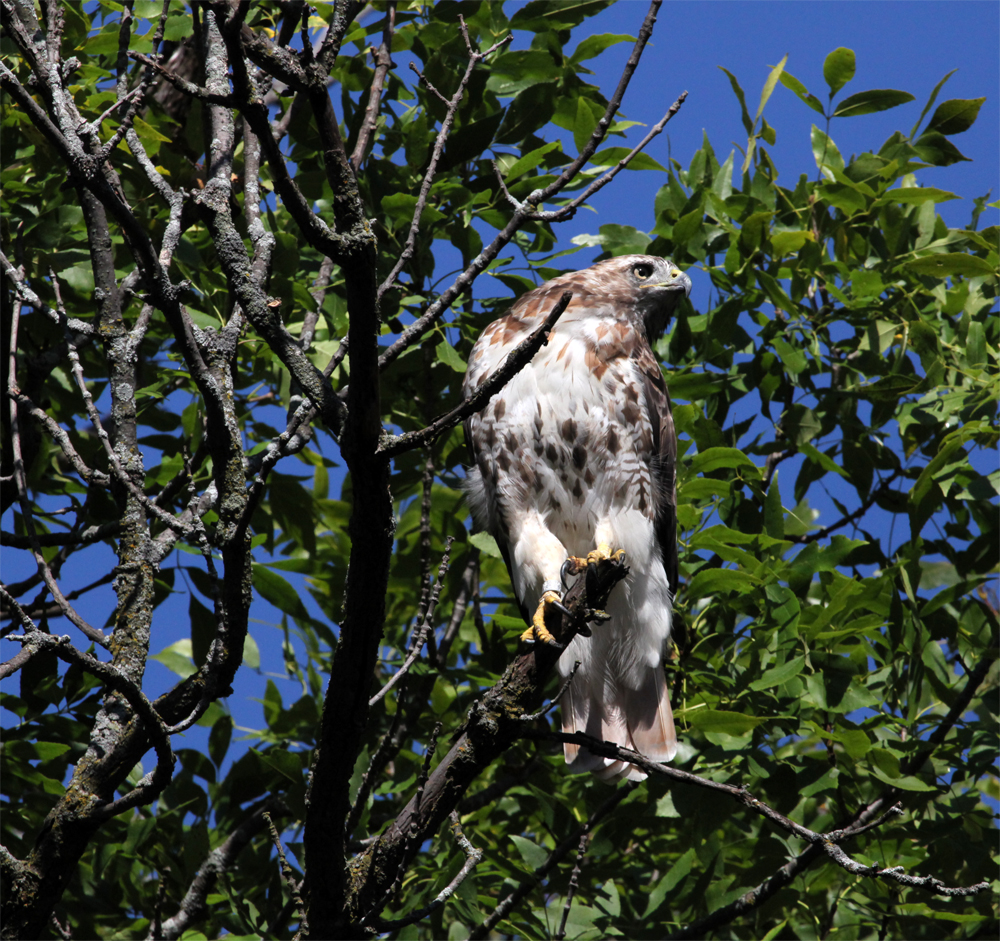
[575, 462]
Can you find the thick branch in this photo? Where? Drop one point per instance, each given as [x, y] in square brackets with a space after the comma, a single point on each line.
[492, 726]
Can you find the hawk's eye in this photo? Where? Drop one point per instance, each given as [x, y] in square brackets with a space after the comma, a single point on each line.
[642, 272]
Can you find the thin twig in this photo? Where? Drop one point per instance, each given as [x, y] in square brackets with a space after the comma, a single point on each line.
[452, 106]
[516, 360]
[472, 859]
[555, 699]
[182, 84]
[287, 875]
[825, 531]
[567, 211]
[555, 857]
[462, 283]
[149, 788]
[61, 437]
[420, 635]
[574, 880]
[412, 833]
[828, 842]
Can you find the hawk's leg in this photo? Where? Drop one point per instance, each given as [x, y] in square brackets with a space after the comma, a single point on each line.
[538, 631]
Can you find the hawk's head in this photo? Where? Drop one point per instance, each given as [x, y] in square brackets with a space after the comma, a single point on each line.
[656, 284]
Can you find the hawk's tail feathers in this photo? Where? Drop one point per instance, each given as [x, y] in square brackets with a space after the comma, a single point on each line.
[641, 720]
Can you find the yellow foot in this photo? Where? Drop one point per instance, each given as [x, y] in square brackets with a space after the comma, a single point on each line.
[538, 630]
[574, 565]
[604, 552]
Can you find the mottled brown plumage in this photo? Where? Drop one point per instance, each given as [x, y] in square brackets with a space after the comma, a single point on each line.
[577, 454]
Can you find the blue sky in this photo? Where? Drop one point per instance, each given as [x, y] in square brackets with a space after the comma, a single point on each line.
[898, 44]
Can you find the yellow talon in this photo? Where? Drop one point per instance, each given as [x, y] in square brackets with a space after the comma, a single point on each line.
[604, 552]
[538, 630]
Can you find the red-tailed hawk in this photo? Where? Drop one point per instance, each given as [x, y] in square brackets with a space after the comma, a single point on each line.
[576, 457]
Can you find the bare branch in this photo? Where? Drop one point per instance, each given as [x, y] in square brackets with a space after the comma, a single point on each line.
[472, 859]
[827, 842]
[825, 531]
[383, 61]
[567, 211]
[479, 264]
[420, 634]
[61, 437]
[149, 788]
[194, 905]
[182, 84]
[516, 360]
[287, 876]
[574, 880]
[413, 833]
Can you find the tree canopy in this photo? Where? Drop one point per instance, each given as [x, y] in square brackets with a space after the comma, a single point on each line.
[245, 255]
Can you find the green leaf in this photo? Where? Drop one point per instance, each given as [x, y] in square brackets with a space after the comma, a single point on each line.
[448, 355]
[715, 720]
[947, 265]
[717, 458]
[975, 345]
[611, 156]
[512, 72]
[792, 83]
[871, 101]
[793, 359]
[147, 132]
[955, 115]
[774, 522]
[669, 882]
[821, 459]
[777, 675]
[46, 751]
[275, 589]
[825, 150]
[177, 657]
[534, 856]
[856, 742]
[529, 161]
[710, 582]
[937, 150]
[838, 69]
[593, 46]
[774, 76]
[738, 90]
[930, 101]
[788, 243]
[486, 544]
[915, 195]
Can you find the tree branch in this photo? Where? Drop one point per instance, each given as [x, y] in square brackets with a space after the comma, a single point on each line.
[383, 61]
[473, 857]
[515, 361]
[492, 726]
[194, 906]
[826, 842]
